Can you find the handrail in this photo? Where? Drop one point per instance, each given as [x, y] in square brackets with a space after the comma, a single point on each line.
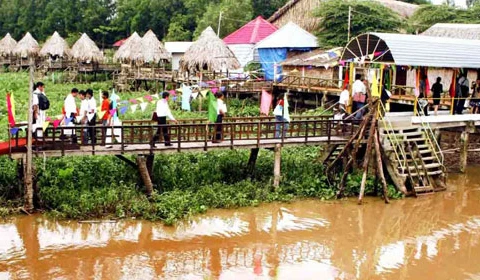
[354, 113]
[329, 108]
[433, 143]
[394, 141]
[234, 132]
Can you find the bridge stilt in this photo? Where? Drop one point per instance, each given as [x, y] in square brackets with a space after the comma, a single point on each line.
[252, 160]
[144, 174]
[276, 165]
[464, 139]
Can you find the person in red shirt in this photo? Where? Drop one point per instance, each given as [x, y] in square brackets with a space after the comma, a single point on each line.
[105, 108]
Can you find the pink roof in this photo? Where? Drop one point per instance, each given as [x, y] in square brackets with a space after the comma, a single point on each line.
[119, 42]
[252, 32]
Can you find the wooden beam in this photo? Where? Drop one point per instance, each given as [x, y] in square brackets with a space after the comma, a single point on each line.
[276, 165]
[252, 160]
[127, 161]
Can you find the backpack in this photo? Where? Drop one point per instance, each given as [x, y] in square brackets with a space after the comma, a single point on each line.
[43, 102]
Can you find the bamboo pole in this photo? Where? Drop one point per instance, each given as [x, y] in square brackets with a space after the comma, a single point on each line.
[380, 166]
[367, 158]
[28, 199]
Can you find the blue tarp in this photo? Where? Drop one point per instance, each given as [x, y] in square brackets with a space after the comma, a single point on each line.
[268, 58]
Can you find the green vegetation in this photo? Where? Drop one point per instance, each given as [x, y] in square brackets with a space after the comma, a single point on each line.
[108, 20]
[367, 16]
[93, 187]
[429, 15]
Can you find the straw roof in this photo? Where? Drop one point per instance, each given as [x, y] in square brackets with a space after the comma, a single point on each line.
[129, 51]
[27, 46]
[55, 46]
[85, 49]
[454, 30]
[152, 50]
[209, 53]
[7, 44]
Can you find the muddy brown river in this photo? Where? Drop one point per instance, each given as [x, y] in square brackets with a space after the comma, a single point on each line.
[432, 237]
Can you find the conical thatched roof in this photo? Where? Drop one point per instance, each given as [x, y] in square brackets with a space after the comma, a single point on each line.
[86, 50]
[152, 50]
[55, 46]
[7, 44]
[130, 49]
[210, 53]
[27, 46]
[454, 30]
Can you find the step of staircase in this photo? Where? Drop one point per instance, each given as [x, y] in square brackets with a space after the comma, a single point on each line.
[429, 173]
[424, 190]
[427, 166]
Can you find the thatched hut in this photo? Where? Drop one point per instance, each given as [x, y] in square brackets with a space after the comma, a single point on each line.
[55, 47]
[7, 44]
[85, 50]
[301, 12]
[208, 53]
[129, 50]
[152, 50]
[454, 30]
[26, 48]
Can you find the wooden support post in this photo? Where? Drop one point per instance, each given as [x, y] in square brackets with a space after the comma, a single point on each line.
[378, 154]
[367, 157]
[276, 165]
[251, 162]
[28, 198]
[464, 139]
[143, 170]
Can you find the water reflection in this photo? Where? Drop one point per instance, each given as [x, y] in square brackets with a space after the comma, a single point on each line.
[434, 237]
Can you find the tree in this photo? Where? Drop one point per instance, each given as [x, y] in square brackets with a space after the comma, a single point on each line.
[429, 15]
[266, 8]
[366, 17]
[234, 15]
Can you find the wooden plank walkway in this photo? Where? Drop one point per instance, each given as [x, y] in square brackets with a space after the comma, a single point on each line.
[135, 137]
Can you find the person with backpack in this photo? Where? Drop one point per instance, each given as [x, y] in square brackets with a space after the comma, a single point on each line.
[40, 105]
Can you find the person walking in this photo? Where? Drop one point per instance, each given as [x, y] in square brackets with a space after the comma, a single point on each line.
[437, 89]
[83, 121]
[70, 108]
[461, 93]
[105, 109]
[91, 115]
[280, 121]
[163, 111]
[40, 104]
[221, 111]
[359, 94]
[422, 103]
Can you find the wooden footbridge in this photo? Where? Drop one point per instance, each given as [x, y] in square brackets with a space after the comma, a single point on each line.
[135, 137]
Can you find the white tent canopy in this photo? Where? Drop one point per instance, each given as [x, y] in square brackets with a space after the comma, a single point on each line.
[289, 36]
[413, 50]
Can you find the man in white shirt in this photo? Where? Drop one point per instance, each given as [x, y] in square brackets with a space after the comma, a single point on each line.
[359, 94]
[39, 116]
[221, 111]
[91, 114]
[163, 111]
[344, 100]
[70, 108]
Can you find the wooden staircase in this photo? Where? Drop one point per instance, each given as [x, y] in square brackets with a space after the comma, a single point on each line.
[414, 161]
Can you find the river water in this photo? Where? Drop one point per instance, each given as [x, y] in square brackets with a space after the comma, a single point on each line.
[432, 237]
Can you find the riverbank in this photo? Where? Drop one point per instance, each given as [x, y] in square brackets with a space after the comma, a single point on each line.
[185, 184]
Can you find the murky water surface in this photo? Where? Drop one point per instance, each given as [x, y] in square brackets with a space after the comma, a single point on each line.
[433, 237]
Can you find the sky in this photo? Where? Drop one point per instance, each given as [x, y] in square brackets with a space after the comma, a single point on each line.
[460, 3]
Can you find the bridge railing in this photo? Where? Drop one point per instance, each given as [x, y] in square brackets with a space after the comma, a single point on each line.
[188, 136]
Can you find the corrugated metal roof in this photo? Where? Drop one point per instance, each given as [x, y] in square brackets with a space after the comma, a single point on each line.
[177, 47]
[415, 50]
[251, 33]
[289, 36]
